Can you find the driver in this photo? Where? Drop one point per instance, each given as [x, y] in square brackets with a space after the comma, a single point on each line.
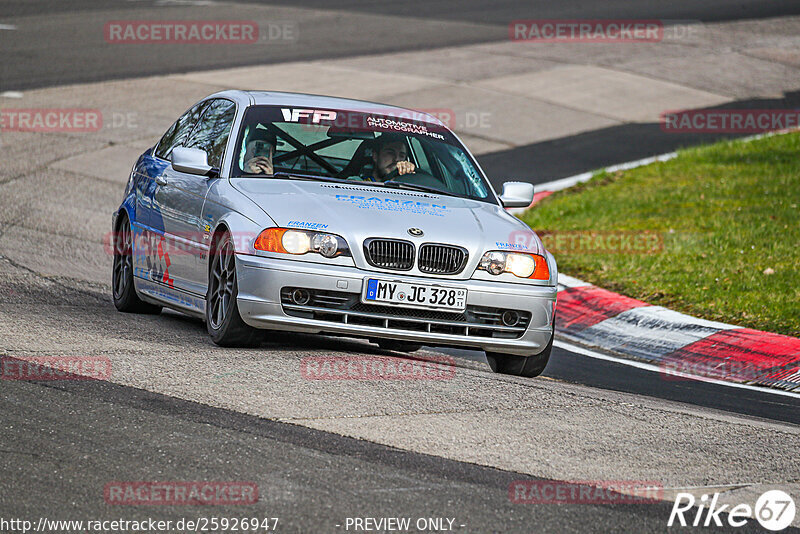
[259, 149]
[390, 154]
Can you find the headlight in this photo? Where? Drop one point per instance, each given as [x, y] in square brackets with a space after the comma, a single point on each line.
[497, 262]
[520, 265]
[325, 244]
[290, 241]
[493, 262]
[295, 242]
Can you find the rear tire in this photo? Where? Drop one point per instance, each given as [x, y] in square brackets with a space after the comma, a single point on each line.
[223, 321]
[398, 346]
[527, 366]
[123, 292]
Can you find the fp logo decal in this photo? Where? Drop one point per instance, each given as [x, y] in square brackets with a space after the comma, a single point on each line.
[316, 115]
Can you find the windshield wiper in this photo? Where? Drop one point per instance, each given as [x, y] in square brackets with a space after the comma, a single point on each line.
[389, 184]
[417, 187]
[307, 177]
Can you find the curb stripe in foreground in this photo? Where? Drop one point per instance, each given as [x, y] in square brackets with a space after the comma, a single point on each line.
[679, 344]
[582, 307]
[577, 349]
[633, 329]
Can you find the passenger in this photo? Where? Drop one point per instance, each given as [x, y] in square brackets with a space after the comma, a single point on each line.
[259, 150]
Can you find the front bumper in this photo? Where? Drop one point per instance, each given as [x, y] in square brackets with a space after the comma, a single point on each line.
[261, 305]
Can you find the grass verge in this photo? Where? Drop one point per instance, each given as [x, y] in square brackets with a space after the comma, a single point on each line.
[714, 233]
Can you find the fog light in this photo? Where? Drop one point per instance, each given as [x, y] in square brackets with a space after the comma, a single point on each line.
[510, 318]
[301, 297]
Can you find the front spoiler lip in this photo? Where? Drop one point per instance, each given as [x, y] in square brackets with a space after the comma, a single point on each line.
[259, 302]
[271, 317]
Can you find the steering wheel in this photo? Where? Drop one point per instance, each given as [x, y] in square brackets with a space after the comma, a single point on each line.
[391, 176]
[395, 174]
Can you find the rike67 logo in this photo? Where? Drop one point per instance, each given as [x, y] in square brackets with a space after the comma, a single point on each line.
[774, 510]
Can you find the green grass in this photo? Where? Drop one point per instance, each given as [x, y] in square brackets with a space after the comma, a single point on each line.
[727, 212]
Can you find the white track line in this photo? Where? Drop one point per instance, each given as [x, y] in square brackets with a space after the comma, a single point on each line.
[7, 27]
[656, 369]
[563, 183]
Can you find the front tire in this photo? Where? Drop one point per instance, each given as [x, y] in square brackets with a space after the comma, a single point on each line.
[223, 321]
[123, 291]
[527, 366]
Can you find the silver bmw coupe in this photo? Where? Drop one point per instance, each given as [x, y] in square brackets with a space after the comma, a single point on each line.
[261, 211]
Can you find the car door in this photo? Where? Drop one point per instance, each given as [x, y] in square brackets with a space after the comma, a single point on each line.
[148, 224]
[180, 197]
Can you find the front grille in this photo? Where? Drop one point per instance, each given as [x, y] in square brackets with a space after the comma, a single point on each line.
[389, 254]
[346, 308]
[441, 259]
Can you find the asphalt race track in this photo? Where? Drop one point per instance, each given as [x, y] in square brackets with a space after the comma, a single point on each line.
[370, 27]
[195, 412]
[176, 407]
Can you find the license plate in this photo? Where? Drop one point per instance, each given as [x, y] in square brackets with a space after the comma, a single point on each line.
[415, 295]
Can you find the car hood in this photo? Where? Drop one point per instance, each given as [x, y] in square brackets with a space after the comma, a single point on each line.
[357, 212]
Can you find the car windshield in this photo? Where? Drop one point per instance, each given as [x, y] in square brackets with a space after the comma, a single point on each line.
[325, 144]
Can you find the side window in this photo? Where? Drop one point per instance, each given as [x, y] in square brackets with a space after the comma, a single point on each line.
[457, 167]
[211, 133]
[178, 132]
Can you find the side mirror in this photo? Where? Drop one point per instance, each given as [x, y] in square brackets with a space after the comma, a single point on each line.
[190, 160]
[517, 195]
